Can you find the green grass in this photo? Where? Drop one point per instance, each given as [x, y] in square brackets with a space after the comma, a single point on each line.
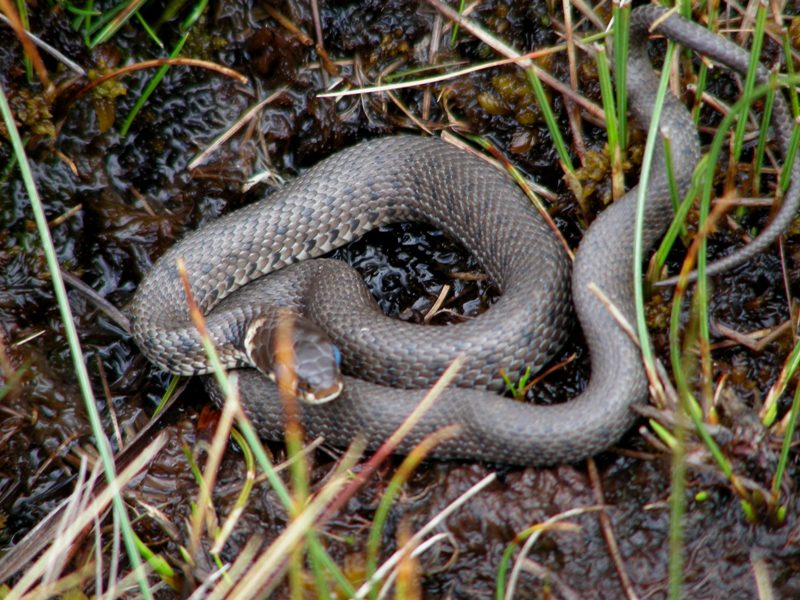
[101, 441]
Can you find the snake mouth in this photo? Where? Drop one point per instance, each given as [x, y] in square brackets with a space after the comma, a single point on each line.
[321, 396]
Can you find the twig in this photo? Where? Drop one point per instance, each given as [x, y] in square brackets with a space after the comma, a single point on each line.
[85, 518]
[617, 315]
[551, 577]
[158, 62]
[756, 340]
[572, 110]
[608, 531]
[433, 50]
[228, 133]
[111, 311]
[28, 45]
[434, 539]
[49, 49]
[320, 46]
[438, 304]
[109, 402]
[417, 538]
[537, 530]
[506, 50]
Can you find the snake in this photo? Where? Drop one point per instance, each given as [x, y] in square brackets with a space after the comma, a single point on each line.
[244, 264]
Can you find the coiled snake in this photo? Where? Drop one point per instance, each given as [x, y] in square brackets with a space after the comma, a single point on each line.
[412, 178]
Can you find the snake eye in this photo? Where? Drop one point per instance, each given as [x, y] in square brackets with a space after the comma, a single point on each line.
[337, 356]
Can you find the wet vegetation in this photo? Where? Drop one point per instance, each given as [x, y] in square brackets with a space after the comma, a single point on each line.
[127, 156]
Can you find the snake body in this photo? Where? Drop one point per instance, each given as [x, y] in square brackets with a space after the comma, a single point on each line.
[390, 364]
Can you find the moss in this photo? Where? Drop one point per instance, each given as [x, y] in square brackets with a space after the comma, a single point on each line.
[593, 174]
[202, 43]
[794, 33]
[491, 103]
[104, 97]
[658, 312]
[32, 112]
[511, 95]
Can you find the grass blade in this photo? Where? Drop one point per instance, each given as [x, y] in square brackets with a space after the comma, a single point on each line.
[103, 445]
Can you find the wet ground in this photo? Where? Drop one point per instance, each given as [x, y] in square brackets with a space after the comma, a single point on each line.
[117, 202]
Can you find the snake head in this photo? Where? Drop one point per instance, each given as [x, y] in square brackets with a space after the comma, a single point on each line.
[294, 352]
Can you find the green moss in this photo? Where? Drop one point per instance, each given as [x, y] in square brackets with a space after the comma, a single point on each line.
[658, 312]
[32, 112]
[794, 33]
[593, 174]
[492, 103]
[511, 95]
[202, 43]
[104, 97]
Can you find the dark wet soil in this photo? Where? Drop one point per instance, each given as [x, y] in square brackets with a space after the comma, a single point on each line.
[135, 196]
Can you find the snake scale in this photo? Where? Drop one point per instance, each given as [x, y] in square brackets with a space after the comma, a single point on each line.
[389, 364]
